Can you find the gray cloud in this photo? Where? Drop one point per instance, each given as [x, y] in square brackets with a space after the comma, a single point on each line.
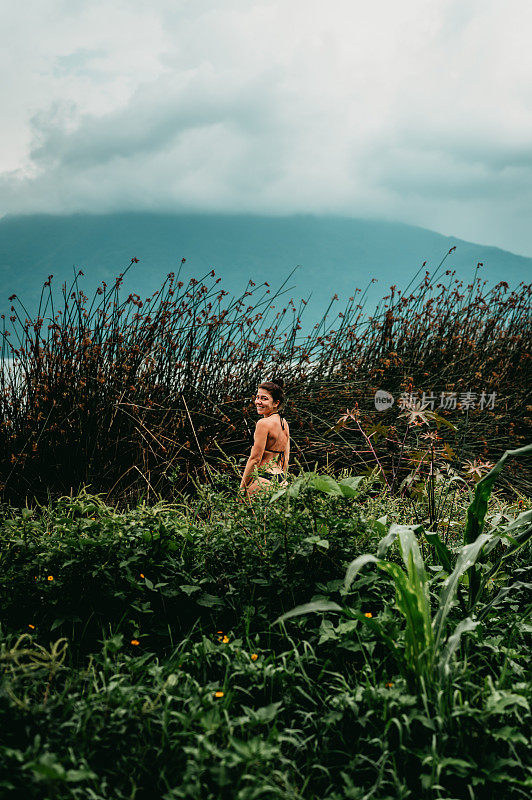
[414, 111]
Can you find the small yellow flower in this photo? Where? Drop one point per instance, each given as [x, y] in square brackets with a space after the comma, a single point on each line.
[31, 626]
[218, 694]
[389, 685]
[141, 575]
[225, 639]
[50, 577]
[254, 656]
[135, 642]
[220, 633]
[368, 614]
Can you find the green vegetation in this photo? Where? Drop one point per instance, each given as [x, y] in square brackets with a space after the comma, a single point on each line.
[209, 648]
[362, 633]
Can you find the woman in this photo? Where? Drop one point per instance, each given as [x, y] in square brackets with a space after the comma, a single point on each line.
[271, 447]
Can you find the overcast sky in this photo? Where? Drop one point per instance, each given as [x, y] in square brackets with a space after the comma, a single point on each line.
[411, 110]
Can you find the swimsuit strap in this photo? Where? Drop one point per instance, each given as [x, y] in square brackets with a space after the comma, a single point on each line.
[280, 418]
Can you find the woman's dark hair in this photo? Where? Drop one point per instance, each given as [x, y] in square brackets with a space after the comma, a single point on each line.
[276, 388]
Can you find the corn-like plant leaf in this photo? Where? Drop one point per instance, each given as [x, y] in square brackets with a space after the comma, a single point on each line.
[394, 531]
[506, 590]
[355, 567]
[518, 533]
[466, 559]
[309, 608]
[452, 643]
[443, 552]
[418, 587]
[476, 512]
[411, 597]
[417, 644]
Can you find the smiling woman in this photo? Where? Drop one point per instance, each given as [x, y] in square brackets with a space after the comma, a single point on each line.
[271, 446]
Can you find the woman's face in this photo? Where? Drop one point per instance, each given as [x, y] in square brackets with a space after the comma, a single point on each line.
[264, 403]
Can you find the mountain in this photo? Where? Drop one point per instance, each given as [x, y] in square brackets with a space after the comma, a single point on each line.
[334, 254]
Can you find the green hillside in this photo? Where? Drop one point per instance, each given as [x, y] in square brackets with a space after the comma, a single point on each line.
[333, 255]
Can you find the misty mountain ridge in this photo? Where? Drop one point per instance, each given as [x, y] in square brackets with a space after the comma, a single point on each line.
[333, 255]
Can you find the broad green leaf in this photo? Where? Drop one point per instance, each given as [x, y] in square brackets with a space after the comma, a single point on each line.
[209, 601]
[77, 775]
[510, 734]
[292, 490]
[326, 484]
[264, 714]
[47, 767]
[378, 526]
[499, 702]
[295, 488]
[349, 486]
[277, 495]
[189, 589]
[327, 632]
[318, 541]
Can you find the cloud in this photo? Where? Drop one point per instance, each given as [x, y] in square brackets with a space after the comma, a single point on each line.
[411, 111]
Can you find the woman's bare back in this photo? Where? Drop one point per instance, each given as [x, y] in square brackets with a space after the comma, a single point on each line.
[277, 444]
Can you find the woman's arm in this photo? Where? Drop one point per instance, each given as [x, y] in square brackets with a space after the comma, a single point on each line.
[257, 451]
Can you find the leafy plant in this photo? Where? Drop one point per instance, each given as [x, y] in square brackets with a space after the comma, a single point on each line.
[174, 683]
[428, 649]
[515, 535]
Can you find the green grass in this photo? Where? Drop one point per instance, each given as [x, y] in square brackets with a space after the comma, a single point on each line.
[150, 666]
